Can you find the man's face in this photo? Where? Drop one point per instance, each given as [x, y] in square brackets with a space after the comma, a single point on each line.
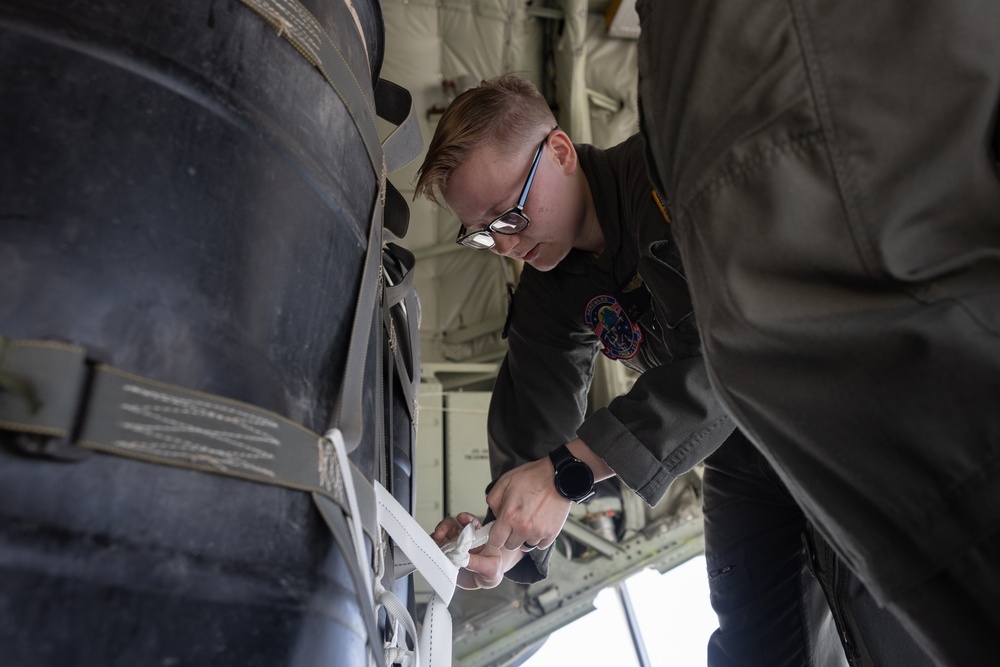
[489, 183]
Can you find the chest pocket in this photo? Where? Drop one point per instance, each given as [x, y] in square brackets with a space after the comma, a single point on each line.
[661, 268]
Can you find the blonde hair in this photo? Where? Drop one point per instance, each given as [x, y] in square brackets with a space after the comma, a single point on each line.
[506, 111]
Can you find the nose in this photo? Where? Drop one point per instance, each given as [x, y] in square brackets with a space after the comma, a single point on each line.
[504, 244]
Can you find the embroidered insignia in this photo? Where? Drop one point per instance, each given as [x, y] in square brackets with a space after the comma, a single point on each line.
[620, 337]
[634, 284]
[662, 205]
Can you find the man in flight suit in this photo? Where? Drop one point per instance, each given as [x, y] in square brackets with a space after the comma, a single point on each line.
[602, 272]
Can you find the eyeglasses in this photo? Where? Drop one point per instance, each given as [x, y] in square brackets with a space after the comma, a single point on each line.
[511, 222]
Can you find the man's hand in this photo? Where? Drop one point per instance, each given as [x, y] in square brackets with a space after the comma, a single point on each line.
[529, 511]
[486, 564]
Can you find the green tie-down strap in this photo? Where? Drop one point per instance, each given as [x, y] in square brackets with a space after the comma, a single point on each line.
[105, 409]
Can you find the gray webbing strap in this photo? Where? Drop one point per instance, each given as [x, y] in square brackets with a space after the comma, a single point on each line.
[304, 32]
[124, 414]
[390, 101]
[395, 105]
[397, 292]
[348, 413]
[296, 24]
[301, 29]
[402, 293]
[342, 536]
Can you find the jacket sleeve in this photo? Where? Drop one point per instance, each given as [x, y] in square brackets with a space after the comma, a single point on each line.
[671, 419]
[540, 395]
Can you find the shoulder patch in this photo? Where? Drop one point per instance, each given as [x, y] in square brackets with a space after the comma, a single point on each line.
[619, 336]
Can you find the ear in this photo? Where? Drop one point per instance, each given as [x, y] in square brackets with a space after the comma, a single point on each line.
[563, 151]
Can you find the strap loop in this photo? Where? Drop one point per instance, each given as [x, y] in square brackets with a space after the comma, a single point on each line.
[395, 105]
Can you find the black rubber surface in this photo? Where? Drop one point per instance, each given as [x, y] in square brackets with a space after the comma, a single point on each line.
[182, 191]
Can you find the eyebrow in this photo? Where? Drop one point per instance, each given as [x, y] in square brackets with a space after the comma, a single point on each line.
[492, 213]
[505, 204]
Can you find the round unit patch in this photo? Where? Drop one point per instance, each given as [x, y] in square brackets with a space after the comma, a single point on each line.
[620, 337]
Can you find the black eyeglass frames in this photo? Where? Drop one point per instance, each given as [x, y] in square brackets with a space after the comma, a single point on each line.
[509, 222]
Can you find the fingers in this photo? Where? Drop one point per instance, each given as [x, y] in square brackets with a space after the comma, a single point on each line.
[486, 568]
[501, 527]
[529, 510]
[510, 503]
[449, 527]
[488, 565]
[516, 540]
[503, 537]
[467, 581]
[499, 534]
[446, 530]
[526, 536]
[514, 530]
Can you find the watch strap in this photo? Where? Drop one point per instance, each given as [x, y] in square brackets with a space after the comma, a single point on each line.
[562, 460]
[560, 455]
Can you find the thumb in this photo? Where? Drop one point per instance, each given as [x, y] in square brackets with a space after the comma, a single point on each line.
[494, 499]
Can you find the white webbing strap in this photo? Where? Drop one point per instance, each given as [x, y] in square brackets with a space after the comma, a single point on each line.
[395, 650]
[438, 565]
[435, 635]
[347, 479]
[415, 543]
[434, 646]
[456, 551]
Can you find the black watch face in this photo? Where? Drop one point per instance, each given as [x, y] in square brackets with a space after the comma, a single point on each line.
[575, 480]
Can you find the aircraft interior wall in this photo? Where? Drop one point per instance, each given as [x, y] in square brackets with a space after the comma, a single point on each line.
[437, 49]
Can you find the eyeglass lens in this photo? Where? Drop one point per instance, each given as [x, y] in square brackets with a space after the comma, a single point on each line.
[479, 240]
[509, 223]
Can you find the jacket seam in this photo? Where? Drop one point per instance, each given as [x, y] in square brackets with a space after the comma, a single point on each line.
[682, 452]
[760, 157]
[838, 163]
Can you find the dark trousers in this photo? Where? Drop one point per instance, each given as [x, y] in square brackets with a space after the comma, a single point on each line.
[957, 610]
[781, 594]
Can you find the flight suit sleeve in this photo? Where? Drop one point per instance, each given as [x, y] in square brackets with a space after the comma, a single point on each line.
[667, 423]
[540, 395]
[671, 419]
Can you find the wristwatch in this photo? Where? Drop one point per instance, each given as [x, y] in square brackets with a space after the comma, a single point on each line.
[574, 479]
